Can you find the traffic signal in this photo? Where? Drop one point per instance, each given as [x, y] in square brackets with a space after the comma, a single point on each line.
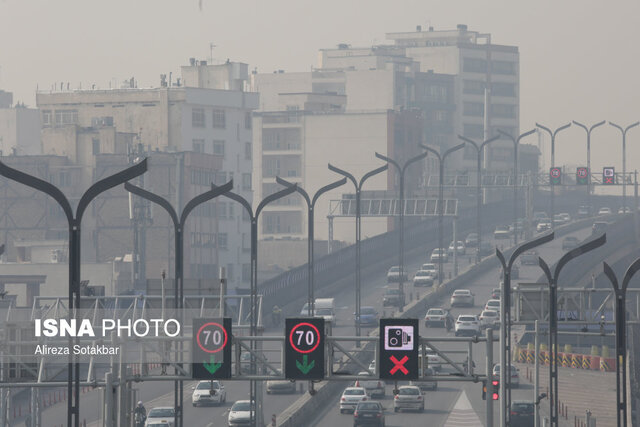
[496, 389]
[608, 175]
[304, 349]
[211, 349]
[484, 390]
[582, 176]
[399, 349]
[555, 176]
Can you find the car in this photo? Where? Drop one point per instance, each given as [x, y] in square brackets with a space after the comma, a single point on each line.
[495, 293]
[522, 413]
[426, 384]
[622, 210]
[543, 225]
[493, 304]
[599, 227]
[408, 397]
[472, 240]
[281, 386]
[462, 297]
[489, 319]
[515, 376]
[486, 248]
[460, 248]
[539, 216]
[570, 242]
[436, 317]
[467, 324]
[368, 413]
[393, 275]
[502, 232]
[161, 414]
[584, 212]
[374, 387]
[566, 218]
[350, 398]
[529, 258]
[434, 361]
[431, 268]
[604, 211]
[438, 253]
[368, 316]
[327, 314]
[208, 393]
[423, 278]
[392, 297]
[240, 413]
[557, 219]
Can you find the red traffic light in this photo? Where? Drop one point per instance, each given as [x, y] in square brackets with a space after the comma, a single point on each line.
[495, 383]
[496, 389]
[496, 396]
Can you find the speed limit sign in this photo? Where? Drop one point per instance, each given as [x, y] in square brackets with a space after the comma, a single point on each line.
[211, 349]
[304, 349]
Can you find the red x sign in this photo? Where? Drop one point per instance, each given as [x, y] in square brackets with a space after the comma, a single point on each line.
[399, 365]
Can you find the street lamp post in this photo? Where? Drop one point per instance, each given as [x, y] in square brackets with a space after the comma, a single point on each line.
[311, 202]
[358, 187]
[440, 204]
[624, 162]
[505, 322]
[74, 222]
[589, 130]
[553, 318]
[553, 134]
[178, 233]
[479, 149]
[401, 169]
[516, 142]
[621, 337]
[255, 394]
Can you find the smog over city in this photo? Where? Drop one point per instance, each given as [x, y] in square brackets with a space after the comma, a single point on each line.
[335, 213]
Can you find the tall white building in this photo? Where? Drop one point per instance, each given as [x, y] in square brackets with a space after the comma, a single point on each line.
[19, 127]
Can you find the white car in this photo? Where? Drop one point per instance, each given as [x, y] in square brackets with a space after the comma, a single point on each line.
[460, 248]
[566, 218]
[467, 324]
[462, 297]
[374, 387]
[393, 275]
[489, 319]
[431, 268]
[408, 397]
[493, 304]
[622, 210]
[351, 396]
[515, 377]
[543, 225]
[423, 278]
[240, 413]
[502, 232]
[435, 316]
[161, 414]
[208, 393]
[434, 361]
[604, 211]
[438, 253]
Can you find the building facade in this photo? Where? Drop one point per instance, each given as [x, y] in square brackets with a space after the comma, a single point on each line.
[19, 127]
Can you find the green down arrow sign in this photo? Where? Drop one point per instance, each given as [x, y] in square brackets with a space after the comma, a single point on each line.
[211, 366]
[305, 367]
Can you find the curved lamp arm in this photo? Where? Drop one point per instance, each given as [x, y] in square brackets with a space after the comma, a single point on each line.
[201, 198]
[155, 199]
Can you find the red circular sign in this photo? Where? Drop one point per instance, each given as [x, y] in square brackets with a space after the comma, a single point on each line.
[555, 172]
[582, 172]
[224, 333]
[315, 342]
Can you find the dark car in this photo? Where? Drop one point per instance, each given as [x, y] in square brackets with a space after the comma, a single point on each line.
[368, 316]
[392, 297]
[522, 413]
[570, 242]
[368, 413]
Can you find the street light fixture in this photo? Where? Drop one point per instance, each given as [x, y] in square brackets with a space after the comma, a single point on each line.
[311, 202]
[553, 318]
[624, 162]
[441, 159]
[621, 337]
[553, 134]
[358, 187]
[589, 130]
[516, 142]
[401, 169]
[479, 150]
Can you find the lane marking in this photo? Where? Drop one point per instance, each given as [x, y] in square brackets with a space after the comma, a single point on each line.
[462, 414]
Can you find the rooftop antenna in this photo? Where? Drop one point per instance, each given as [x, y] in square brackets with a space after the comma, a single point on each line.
[211, 46]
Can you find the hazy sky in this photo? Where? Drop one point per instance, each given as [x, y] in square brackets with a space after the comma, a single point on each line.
[578, 58]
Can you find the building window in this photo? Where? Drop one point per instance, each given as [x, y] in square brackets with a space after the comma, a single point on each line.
[218, 147]
[503, 67]
[474, 65]
[247, 151]
[474, 109]
[503, 111]
[247, 120]
[441, 116]
[474, 131]
[197, 118]
[473, 87]
[246, 181]
[198, 145]
[219, 120]
[503, 89]
[95, 142]
[222, 241]
[66, 117]
[46, 118]
[246, 272]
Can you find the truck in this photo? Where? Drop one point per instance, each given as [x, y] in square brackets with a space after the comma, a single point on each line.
[324, 307]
